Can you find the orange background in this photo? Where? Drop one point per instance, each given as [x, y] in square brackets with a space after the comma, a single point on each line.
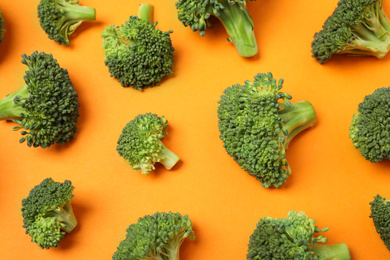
[331, 181]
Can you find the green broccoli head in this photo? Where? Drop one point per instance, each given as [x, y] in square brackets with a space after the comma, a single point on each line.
[60, 18]
[140, 143]
[369, 127]
[354, 28]
[46, 107]
[256, 128]
[157, 236]
[233, 14]
[2, 28]
[293, 237]
[138, 54]
[47, 212]
[380, 214]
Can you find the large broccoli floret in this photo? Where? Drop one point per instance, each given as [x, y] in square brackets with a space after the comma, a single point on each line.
[354, 28]
[158, 236]
[60, 18]
[140, 143]
[2, 28]
[233, 14]
[380, 214]
[46, 107]
[369, 127]
[293, 237]
[47, 212]
[138, 54]
[256, 128]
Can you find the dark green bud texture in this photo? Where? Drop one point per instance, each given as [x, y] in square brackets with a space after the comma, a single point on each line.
[380, 214]
[256, 128]
[369, 128]
[138, 54]
[47, 212]
[46, 108]
[157, 236]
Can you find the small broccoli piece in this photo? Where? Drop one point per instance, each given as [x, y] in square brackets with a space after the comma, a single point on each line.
[60, 18]
[138, 54]
[369, 127]
[140, 143]
[380, 214]
[355, 28]
[2, 28]
[256, 128]
[293, 238]
[233, 14]
[46, 106]
[47, 212]
[158, 236]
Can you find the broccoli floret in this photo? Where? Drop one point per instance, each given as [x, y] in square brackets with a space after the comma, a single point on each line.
[60, 18]
[233, 14]
[46, 107]
[293, 238]
[354, 28]
[380, 214]
[138, 54]
[47, 212]
[256, 128]
[369, 127]
[140, 143]
[158, 236]
[2, 28]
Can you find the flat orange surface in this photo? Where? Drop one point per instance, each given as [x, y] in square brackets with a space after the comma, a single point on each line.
[331, 181]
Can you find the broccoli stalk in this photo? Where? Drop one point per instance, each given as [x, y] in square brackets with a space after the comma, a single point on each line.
[172, 248]
[146, 12]
[372, 33]
[74, 12]
[296, 118]
[64, 214]
[9, 110]
[239, 26]
[73, 16]
[355, 28]
[60, 18]
[168, 158]
[337, 251]
[233, 14]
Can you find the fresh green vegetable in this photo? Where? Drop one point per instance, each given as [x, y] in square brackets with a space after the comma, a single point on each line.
[369, 127]
[158, 236]
[380, 214]
[46, 107]
[354, 28]
[291, 238]
[2, 28]
[47, 212]
[233, 14]
[140, 143]
[256, 128]
[138, 54]
[60, 18]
